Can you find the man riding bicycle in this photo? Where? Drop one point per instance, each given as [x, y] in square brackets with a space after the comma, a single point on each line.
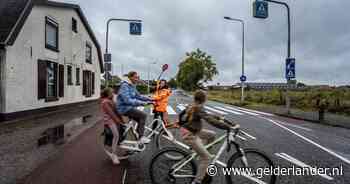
[129, 99]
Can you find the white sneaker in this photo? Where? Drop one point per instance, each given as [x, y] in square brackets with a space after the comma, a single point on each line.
[115, 159]
[145, 140]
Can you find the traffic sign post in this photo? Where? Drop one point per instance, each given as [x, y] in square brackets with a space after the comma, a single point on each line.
[107, 58]
[135, 28]
[290, 68]
[108, 67]
[165, 67]
[107, 76]
[260, 9]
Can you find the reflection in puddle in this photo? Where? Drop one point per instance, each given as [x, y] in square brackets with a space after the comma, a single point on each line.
[58, 134]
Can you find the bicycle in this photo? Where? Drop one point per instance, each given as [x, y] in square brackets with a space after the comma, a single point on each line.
[128, 143]
[182, 168]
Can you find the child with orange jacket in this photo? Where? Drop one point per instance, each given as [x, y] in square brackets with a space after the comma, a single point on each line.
[161, 98]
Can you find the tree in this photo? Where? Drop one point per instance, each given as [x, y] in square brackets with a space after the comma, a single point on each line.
[198, 68]
[172, 83]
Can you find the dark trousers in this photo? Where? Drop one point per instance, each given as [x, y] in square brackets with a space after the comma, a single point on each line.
[140, 117]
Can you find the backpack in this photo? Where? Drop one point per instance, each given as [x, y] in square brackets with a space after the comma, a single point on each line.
[184, 117]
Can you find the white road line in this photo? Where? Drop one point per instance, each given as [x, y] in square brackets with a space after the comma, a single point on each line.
[214, 110]
[247, 112]
[311, 141]
[227, 110]
[181, 107]
[170, 110]
[300, 164]
[254, 111]
[295, 126]
[248, 135]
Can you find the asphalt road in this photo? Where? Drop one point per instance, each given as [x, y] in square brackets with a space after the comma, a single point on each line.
[286, 141]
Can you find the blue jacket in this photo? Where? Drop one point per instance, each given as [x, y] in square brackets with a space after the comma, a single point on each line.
[129, 98]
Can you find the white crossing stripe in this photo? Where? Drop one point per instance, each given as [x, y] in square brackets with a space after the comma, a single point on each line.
[247, 112]
[254, 111]
[170, 110]
[301, 164]
[181, 107]
[214, 110]
[227, 110]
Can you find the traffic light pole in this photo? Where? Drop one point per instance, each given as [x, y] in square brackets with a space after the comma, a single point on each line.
[107, 32]
[288, 11]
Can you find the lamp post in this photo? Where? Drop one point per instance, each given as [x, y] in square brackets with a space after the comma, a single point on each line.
[242, 81]
[107, 34]
[149, 65]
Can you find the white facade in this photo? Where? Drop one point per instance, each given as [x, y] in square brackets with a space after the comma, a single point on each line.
[19, 84]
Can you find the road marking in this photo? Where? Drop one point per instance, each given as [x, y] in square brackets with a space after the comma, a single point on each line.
[295, 126]
[170, 110]
[300, 164]
[248, 135]
[181, 107]
[214, 110]
[227, 110]
[254, 111]
[250, 113]
[311, 141]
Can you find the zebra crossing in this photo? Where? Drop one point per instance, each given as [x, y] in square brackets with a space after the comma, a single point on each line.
[212, 109]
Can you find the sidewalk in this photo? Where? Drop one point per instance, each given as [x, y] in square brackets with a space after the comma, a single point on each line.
[79, 162]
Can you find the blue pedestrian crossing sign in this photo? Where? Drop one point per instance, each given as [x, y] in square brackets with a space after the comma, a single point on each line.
[243, 78]
[260, 9]
[135, 28]
[290, 68]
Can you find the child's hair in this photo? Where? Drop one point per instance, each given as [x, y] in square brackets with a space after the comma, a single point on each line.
[200, 96]
[166, 84]
[131, 74]
[105, 93]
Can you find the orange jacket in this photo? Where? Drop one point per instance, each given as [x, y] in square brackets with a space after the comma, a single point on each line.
[161, 98]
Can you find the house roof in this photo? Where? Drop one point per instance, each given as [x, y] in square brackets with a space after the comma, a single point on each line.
[13, 14]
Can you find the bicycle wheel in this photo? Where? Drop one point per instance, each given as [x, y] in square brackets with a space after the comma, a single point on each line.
[257, 161]
[161, 167]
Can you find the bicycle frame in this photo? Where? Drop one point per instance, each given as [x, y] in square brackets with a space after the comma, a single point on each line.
[230, 139]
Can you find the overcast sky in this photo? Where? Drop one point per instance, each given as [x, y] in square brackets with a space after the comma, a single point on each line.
[320, 37]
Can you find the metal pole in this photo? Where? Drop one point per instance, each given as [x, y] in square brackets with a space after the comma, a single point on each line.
[148, 90]
[243, 46]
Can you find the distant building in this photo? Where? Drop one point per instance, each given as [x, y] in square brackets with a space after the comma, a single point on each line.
[49, 57]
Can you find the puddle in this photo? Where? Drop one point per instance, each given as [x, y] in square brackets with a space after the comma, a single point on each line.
[58, 134]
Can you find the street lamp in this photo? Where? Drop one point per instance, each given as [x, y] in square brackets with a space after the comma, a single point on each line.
[149, 65]
[242, 81]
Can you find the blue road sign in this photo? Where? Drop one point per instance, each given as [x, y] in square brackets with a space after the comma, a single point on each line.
[135, 28]
[260, 9]
[290, 68]
[243, 78]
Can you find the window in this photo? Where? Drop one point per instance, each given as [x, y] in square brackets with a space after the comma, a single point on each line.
[51, 35]
[74, 25]
[69, 75]
[77, 77]
[88, 53]
[50, 80]
[88, 83]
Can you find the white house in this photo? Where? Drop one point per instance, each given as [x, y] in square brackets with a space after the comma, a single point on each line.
[49, 57]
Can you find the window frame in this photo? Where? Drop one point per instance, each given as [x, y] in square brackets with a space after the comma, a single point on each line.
[69, 75]
[77, 76]
[88, 60]
[51, 22]
[74, 25]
